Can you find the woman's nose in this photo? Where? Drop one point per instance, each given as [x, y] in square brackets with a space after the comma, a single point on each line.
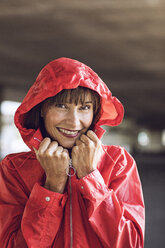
[74, 119]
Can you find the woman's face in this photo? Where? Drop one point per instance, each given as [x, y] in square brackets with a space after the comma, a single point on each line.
[65, 122]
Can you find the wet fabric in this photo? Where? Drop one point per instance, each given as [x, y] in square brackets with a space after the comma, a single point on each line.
[106, 206]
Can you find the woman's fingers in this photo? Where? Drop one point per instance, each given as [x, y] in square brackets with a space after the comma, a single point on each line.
[65, 151]
[91, 135]
[52, 147]
[44, 145]
[48, 148]
[58, 151]
[85, 139]
[88, 139]
[78, 142]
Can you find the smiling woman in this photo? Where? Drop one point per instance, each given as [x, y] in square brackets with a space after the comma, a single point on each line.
[101, 203]
[70, 113]
[66, 122]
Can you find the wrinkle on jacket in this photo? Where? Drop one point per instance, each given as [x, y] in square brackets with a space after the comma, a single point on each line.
[107, 204]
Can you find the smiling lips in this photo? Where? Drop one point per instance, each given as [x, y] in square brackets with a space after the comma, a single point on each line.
[68, 133]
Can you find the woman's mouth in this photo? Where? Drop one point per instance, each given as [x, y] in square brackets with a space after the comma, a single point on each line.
[68, 133]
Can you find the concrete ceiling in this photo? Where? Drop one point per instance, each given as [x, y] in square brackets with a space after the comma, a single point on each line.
[123, 41]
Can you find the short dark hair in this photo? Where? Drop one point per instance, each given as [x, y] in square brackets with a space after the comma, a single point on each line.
[33, 119]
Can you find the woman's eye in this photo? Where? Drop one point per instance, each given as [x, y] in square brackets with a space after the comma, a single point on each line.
[85, 107]
[61, 105]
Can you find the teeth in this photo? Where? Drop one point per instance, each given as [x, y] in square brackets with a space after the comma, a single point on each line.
[68, 132]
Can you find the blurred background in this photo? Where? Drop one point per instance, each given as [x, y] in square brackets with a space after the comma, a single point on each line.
[124, 42]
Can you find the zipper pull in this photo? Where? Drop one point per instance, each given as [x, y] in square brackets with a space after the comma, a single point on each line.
[71, 171]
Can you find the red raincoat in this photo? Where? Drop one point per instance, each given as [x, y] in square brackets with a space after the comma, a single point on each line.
[103, 209]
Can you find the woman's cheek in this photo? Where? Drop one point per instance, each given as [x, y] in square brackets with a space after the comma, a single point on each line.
[88, 120]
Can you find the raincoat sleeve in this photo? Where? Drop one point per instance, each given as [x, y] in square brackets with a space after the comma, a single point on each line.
[26, 220]
[115, 203]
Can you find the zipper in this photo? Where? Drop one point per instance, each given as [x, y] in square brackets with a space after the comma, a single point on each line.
[70, 174]
[71, 225]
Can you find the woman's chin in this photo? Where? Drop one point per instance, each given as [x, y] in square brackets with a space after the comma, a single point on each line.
[67, 145]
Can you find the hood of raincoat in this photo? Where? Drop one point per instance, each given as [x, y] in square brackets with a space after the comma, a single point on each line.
[66, 73]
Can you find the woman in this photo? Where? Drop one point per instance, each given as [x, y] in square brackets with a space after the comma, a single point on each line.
[69, 190]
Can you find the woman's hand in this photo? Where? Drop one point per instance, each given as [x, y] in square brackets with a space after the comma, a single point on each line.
[54, 160]
[86, 154]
